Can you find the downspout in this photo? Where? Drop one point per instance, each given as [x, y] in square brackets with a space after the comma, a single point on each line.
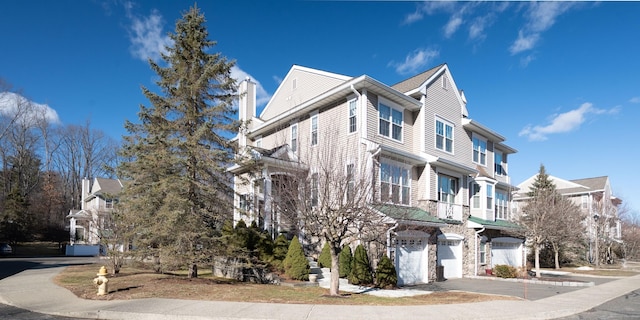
[389, 240]
[476, 250]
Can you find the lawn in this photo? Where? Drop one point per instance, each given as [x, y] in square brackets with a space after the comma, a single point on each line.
[136, 283]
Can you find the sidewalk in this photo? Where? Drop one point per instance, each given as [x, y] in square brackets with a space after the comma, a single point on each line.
[34, 290]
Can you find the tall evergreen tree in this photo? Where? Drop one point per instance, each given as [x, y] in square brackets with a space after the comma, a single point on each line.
[538, 212]
[178, 153]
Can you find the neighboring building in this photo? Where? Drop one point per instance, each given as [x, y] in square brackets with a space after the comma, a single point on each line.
[87, 224]
[595, 198]
[441, 178]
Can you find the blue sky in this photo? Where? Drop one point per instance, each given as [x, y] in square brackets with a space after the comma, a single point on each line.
[560, 80]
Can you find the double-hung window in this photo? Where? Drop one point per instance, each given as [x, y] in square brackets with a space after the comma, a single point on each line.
[294, 137]
[479, 151]
[394, 184]
[243, 202]
[353, 109]
[475, 195]
[314, 189]
[350, 182]
[447, 189]
[314, 129]
[489, 196]
[501, 206]
[499, 163]
[390, 122]
[444, 136]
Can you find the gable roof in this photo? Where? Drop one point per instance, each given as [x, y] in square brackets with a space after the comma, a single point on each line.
[106, 186]
[417, 80]
[567, 187]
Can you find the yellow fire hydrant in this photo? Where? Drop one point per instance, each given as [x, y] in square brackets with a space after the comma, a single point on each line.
[101, 281]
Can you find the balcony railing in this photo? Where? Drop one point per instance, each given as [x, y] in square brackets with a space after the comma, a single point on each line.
[449, 211]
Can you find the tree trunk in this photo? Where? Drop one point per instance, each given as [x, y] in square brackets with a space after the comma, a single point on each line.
[334, 287]
[537, 260]
[556, 252]
[193, 271]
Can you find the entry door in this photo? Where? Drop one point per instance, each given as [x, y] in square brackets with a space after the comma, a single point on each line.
[411, 257]
[450, 257]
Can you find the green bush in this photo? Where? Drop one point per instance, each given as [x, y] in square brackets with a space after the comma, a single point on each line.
[296, 265]
[280, 248]
[361, 273]
[345, 261]
[505, 271]
[386, 275]
[324, 260]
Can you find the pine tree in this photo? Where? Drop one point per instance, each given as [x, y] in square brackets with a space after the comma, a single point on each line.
[296, 264]
[361, 273]
[177, 153]
[324, 260]
[386, 275]
[346, 259]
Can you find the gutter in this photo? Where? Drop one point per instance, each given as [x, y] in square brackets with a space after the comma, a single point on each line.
[389, 240]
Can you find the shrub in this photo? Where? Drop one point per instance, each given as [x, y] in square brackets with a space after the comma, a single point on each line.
[296, 264]
[324, 260]
[505, 271]
[345, 261]
[386, 276]
[280, 248]
[361, 268]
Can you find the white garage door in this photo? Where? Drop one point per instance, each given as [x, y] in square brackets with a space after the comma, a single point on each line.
[450, 255]
[506, 251]
[411, 260]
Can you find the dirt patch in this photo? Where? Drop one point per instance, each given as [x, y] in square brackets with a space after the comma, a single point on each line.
[139, 284]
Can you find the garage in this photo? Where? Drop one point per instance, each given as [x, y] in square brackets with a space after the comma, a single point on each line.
[450, 255]
[506, 251]
[412, 257]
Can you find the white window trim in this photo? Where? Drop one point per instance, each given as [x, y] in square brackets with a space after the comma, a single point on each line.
[259, 141]
[486, 150]
[314, 115]
[459, 199]
[497, 205]
[393, 107]
[379, 182]
[435, 135]
[297, 137]
[472, 185]
[349, 101]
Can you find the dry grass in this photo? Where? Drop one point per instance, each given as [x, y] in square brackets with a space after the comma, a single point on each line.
[134, 283]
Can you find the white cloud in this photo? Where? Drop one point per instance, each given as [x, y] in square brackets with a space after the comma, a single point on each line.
[564, 122]
[452, 26]
[540, 16]
[413, 17]
[148, 40]
[262, 96]
[415, 61]
[12, 104]
[635, 100]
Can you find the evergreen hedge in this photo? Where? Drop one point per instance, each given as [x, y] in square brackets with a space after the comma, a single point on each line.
[296, 265]
[386, 275]
[280, 248]
[345, 260]
[361, 273]
[324, 260]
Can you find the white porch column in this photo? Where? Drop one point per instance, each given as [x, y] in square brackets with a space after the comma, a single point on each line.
[268, 204]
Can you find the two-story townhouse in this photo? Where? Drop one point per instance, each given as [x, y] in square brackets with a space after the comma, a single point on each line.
[440, 178]
[87, 224]
[599, 206]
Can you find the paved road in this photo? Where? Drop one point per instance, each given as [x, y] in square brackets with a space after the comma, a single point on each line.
[11, 266]
[13, 313]
[624, 307]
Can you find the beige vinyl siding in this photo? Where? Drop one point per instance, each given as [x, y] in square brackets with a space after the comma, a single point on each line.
[308, 85]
